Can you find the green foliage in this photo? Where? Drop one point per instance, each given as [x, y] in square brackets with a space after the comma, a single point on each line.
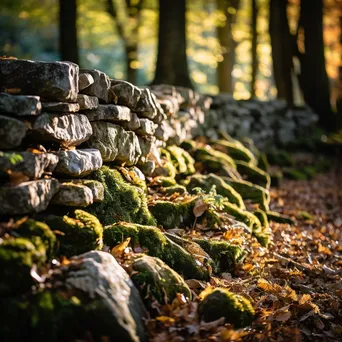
[13, 157]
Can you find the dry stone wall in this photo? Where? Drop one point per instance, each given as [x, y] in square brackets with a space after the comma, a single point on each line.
[58, 123]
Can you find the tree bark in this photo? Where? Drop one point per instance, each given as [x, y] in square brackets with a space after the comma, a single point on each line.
[281, 42]
[254, 46]
[68, 44]
[224, 34]
[172, 65]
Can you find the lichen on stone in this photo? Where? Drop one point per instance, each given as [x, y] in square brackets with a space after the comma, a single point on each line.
[254, 174]
[222, 158]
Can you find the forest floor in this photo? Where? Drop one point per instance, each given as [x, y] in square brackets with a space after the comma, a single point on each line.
[295, 285]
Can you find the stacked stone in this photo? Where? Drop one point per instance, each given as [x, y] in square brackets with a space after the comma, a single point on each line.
[267, 123]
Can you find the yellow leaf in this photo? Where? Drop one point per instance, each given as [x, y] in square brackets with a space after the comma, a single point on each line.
[165, 320]
[119, 250]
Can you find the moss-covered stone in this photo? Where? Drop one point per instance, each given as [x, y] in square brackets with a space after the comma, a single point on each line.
[234, 308]
[263, 238]
[159, 246]
[80, 232]
[171, 215]
[254, 174]
[278, 218]
[181, 159]
[180, 189]
[155, 279]
[252, 192]
[203, 153]
[122, 201]
[163, 181]
[263, 162]
[235, 150]
[222, 188]
[224, 255]
[261, 215]
[276, 177]
[296, 174]
[188, 145]
[17, 257]
[280, 158]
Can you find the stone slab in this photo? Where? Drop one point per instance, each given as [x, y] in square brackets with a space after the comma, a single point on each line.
[12, 132]
[20, 105]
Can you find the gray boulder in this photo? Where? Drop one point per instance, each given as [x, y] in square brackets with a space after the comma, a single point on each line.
[27, 197]
[12, 132]
[146, 106]
[125, 93]
[73, 195]
[96, 187]
[146, 127]
[87, 102]
[129, 150]
[84, 81]
[20, 105]
[100, 86]
[53, 81]
[133, 124]
[110, 113]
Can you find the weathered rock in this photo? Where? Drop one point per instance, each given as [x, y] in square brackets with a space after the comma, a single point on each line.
[164, 131]
[110, 113]
[52, 81]
[77, 163]
[12, 132]
[32, 165]
[146, 106]
[73, 195]
[112, 293]
[133, 124]
[87, 102]
[148, 167]
[153, 277]
[62, 107]
[129, 148]
[68, 129]
[27, 197]
[95, 186]
[20, 105]
[125, 93]
[100, 86]
[84, 81]
[146, 144]
[146, 127]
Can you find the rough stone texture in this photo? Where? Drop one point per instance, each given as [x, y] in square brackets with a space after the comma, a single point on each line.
[146, 105]
[146, 144]
[148, 167]
[146, 127]
[110, 113]
[96, 187]
[129, 148]
[27, 197]
[62, 107]
[19, 105]
[32, 165]
[164, 131]
[125, 93]
[68, 129]
[73, 195]
[98, 275]
[52, 81]
[76, 163]
[87, 102]
[84, 81]
[12, 132]
[100, 86]
[133, 124]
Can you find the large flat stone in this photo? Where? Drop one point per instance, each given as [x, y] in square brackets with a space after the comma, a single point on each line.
[52, 81]
[100, 86]
[68, 129]
[12, 132]
[125, 93]
[20, 105]
[110, 113]
[113, 299]
[60, 107]
[32, 165]
[146, 127]
[27, 197]
[73, 195]
[87, 102]
[76, 163]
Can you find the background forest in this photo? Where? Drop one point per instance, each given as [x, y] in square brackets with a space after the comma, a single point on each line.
[228, 43]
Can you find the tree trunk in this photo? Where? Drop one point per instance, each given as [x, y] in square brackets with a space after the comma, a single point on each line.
[281, 43]
[131, 52]
[314, 78]
[68, 31]
[172, 65]
[254, 46]
[224, 34]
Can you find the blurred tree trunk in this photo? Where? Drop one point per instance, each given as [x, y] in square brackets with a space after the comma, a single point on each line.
[313, 77]
[281, 42]
[172, 63]
[254, 46]
[339, 97]
[68, 45]
[224, 34]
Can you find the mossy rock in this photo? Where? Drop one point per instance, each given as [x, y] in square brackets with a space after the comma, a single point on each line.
[254, 174]
[122, 201]
[234, 308]
[262, 216]
[263, 238]
[263, 163]
[224, 255]
[203, 153]
[163, 181]
[31, 229]
[235, 150]
[17, 257]
[273, 216]
[80, 232]
[180, 189]
[154, 278]
[181, 159]
[276, 177]
[159, 246]
[280, 158]
[249, 191]
[188, 145]
[222, 188]
[171, 215]
[295, 174]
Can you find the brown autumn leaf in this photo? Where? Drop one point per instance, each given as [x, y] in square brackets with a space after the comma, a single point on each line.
[119, 250]
[13, 91]
[200, 208]
[281, 315]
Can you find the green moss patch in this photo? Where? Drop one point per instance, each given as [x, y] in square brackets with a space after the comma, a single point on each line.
[278, 218]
